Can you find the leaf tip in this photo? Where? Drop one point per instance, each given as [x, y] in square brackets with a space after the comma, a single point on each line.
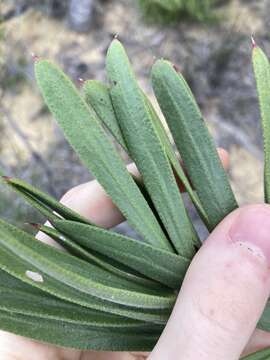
[81, 81]
[176, 68]
[34, 225]
[7, 179]
[253, 42]
[35, 57]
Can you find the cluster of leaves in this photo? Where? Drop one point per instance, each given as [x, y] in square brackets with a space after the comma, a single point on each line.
[171, 10]
[109, 291]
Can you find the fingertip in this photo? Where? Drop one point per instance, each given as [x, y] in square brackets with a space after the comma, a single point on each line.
[252, 229]
[224, 292]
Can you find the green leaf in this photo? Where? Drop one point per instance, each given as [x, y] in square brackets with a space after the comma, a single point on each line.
[43, 202]
[146, 149]
[85, 133]
[261, 69]
[162, 266]
[18, 267]
[177, 168]
[97, 95]
[259, 355]
[80, 275]
[194, 142]
[82, 253]
[43, 209]
[51, 208]
[76, 336]
[21, 298]
[174, 161]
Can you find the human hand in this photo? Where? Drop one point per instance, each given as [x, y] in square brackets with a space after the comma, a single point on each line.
[221, 299]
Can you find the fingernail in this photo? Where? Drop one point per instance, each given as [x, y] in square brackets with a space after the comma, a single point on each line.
[252, 229]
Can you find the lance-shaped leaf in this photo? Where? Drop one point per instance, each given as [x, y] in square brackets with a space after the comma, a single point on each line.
[50, 207]
[162, 266]
[80, 275]
[261, 69]
[81, 252]
[177, 169]
[85, 133]
[146, 149]
[21, 298]
[97, 95]
[42, 306]
[175, 161]
[163, 136]
[43, 202]
[77, 336]
[258, 355]
[194, 142]
[19, 268]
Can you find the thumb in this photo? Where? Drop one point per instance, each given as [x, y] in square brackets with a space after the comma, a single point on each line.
[224, 291]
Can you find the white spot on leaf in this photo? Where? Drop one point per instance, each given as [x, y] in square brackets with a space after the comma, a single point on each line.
[34, 276]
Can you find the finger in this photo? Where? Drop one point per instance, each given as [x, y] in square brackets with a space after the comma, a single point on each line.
[224, 157]
[224, 292]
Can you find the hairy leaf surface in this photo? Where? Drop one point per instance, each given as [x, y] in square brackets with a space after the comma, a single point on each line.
[97, 95]
[77, 336]
[261, 69]
[146, 149]
[80, 275]
[21, 298]
[154, 263]
[194, 142]
[85, 133]
[81, 252]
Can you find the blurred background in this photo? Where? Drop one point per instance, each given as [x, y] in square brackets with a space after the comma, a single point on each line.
[208, 40]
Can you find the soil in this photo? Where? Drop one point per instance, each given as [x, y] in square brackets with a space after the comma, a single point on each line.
[214, 58]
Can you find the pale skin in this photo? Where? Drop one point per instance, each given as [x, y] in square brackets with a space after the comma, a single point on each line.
[221, 300]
